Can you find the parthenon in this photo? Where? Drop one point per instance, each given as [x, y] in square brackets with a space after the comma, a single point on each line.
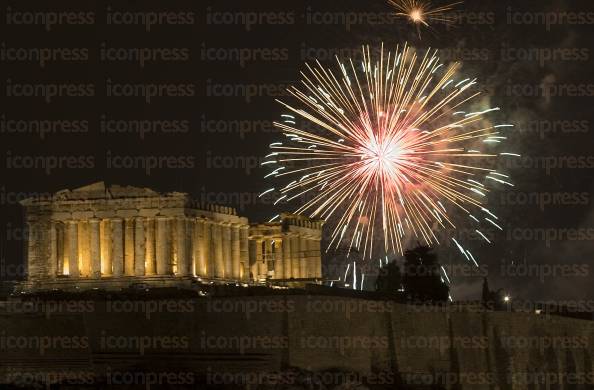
[101, 236]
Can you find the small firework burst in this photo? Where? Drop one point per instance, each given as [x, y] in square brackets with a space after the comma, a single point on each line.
[420, 12]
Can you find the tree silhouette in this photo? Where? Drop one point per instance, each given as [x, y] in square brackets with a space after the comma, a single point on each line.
[422, 278]
[389, 279]
[491, 299]
[486, 293]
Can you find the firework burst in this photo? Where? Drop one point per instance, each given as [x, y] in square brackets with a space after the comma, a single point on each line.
[422, 13]
[393, 152]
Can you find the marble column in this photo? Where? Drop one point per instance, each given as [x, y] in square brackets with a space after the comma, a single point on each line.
[36, 255]
[31, 248]
[279, 264]
[318, 259]
[235, 253]
[84, 253]
[139, 247]
[53, 260]
[257, 267]
[253, 262]
[210, 247]
[304, 258]
[217, 236]
[204, 259]
[295, 257]
[61, 247]
[106, 253]
[244, 257]
[129, 246]
[190, 226]
[267, 257]
[95, 247]
[183, 259]
[197, 247]
[311, 258]
[227, 259]
[117, 242]
[287, 257]
[73, 249]
[150, 243]
[163, 246]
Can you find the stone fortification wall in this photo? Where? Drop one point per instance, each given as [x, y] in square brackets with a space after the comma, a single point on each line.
[329, 339]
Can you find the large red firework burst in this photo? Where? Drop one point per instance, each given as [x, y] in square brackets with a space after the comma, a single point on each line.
[391, 146]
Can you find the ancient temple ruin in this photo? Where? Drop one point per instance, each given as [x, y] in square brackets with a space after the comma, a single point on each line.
[102, 236]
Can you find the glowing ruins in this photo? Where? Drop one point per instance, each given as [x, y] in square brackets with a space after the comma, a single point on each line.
[114, 237]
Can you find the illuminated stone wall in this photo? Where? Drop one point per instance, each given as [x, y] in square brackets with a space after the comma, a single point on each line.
[376, 341]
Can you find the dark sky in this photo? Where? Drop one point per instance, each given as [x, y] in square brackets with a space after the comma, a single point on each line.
[206, 59]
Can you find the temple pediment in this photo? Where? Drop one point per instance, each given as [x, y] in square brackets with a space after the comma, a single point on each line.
[100, 191]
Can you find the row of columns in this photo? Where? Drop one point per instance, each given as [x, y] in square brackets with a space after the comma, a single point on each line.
[148, 246]
[289, 256]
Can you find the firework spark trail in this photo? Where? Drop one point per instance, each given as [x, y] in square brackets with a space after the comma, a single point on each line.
[391, 147]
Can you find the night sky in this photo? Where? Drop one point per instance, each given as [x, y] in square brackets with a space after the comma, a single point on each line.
[214, 70]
